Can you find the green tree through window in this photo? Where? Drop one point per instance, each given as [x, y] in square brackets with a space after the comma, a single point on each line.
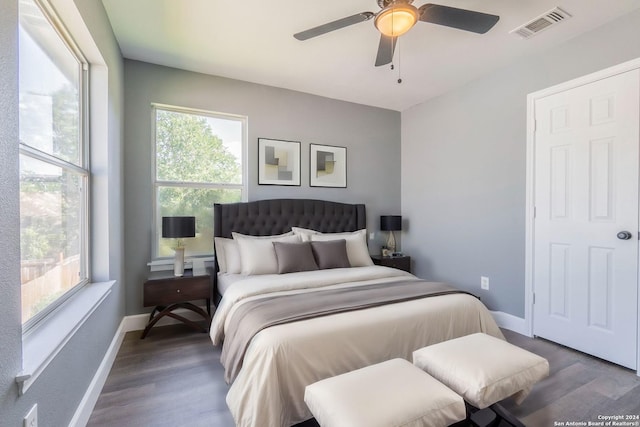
[198, 163]
[54, 169]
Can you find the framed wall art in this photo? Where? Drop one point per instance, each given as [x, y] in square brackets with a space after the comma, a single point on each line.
[327, 166]
[278, 162]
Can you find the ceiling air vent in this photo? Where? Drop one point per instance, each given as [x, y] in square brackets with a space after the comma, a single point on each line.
[542, 22]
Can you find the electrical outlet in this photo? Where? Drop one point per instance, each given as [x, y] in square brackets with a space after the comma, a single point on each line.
[372, 235]
[484, 282]
[31, 419]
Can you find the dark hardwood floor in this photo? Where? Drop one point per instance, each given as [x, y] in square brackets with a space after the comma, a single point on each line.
[171, 378]
[579, 388]
[174, 378]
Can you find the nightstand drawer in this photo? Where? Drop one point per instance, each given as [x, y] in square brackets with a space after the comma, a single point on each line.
[170, 291]
[399, 262]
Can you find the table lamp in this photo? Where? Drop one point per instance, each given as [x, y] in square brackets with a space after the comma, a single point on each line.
[178, 227]
[391, 223]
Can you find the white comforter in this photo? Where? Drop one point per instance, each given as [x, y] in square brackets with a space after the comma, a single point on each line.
[282, 360]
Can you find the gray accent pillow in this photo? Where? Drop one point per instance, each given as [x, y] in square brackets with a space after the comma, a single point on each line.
[293, 257]
[331, 253]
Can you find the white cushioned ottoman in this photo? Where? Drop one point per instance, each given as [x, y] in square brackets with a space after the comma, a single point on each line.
[482, 369]
[392, 393]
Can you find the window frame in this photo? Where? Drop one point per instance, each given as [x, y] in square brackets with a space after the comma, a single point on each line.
[83, 170]
[157, 184]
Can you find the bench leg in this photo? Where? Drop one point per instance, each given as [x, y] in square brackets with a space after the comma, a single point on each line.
[493, 416]
[484, 418]
[506, 415]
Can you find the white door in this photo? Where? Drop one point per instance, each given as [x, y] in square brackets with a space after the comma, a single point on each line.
[586, 192]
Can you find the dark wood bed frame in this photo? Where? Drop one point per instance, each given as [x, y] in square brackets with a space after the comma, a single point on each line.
[277, 216]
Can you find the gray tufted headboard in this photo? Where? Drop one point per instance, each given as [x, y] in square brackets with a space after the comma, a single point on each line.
[277, 216]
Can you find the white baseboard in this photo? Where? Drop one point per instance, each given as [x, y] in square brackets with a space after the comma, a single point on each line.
[511, 322]
[129, 323]
[83, 412]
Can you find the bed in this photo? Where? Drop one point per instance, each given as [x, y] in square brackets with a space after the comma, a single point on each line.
[270, 370]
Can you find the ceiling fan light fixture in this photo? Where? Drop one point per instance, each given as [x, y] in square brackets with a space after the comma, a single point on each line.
[396, 19]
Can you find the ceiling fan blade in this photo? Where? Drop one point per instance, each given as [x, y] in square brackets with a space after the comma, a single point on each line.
[461, 19]
[335, 25]
[385, 50]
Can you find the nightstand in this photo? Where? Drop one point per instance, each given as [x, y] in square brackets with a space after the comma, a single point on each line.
[168, 292]
[400, 262]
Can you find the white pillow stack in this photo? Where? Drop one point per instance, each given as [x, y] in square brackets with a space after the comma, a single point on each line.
[257, 254]
[357, 249]
[228, 255]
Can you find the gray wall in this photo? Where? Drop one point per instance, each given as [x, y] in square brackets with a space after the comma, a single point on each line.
[60, 388]
[10, 329]
[463, 166]
[371, 135]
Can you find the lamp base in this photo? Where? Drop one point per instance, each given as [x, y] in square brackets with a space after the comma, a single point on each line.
[178, 262]
[391, 242]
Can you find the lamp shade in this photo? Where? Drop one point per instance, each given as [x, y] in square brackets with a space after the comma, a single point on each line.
[390, 222]
[178, 226]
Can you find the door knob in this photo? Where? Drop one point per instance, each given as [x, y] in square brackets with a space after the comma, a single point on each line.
[624, 235]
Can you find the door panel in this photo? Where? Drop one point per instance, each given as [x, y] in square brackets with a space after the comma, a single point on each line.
[600, 287]
[559, 280]
[560, 180]
[601, 176]
[586, 191]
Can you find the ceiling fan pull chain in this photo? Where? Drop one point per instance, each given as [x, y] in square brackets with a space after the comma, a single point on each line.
[399, 63]
[392, 43]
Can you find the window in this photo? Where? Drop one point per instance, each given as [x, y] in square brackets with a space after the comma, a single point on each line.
[54, 170]
[199, 161]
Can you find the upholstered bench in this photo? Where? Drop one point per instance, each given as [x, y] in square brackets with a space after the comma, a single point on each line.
[391, 393]
[483, 370]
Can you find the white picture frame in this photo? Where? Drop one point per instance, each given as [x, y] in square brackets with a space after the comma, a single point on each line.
[327, 166]
[278, 162]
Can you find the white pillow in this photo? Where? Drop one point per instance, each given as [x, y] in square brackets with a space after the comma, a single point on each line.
[228, 255]
[357, 250]
[234, 262]
[304, 233]
[219, 243]
[249, 236]
[257, 254]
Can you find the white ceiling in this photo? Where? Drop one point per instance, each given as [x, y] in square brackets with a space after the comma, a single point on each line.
[252, 40]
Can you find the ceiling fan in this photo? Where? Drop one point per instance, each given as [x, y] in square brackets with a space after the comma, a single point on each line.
[398, 16]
